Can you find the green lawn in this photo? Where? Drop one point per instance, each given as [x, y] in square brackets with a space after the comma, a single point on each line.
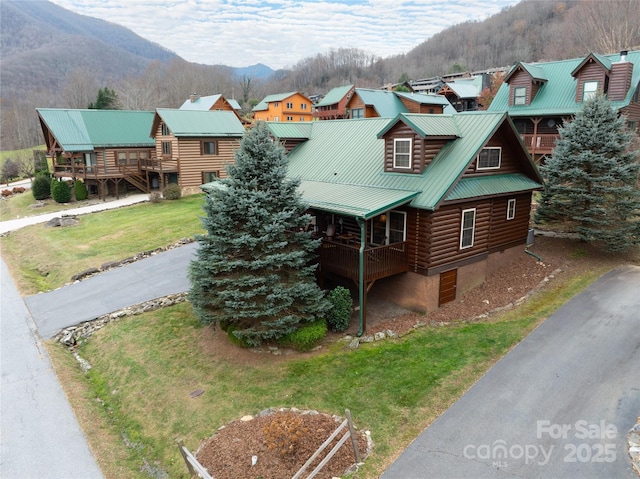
[43, 259]
[145, 367]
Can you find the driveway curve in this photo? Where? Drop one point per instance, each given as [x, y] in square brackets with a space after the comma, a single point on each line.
[559, 405]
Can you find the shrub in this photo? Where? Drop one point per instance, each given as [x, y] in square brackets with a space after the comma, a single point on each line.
[6, 193]
[41, 187]
[172, 192]
[61, 192]
[17, 189]
[339, 314]
[307, 337]
[81, 190]
[155, 197]
[284, 432]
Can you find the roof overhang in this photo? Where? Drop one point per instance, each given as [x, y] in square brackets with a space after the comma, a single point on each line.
[356, 201]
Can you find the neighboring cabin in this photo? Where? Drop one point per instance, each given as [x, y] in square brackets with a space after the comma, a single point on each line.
[369, 103]
[426, 206]
[110, 150]
[540, 97]
[285, 107]
[193, 146]
[211, 103]
[334, 104]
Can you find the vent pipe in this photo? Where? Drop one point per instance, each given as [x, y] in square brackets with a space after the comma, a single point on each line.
[623, 55]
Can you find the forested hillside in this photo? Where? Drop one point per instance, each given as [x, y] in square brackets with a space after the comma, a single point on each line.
[51, 57]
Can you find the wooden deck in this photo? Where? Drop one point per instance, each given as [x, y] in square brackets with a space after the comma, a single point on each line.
[540, 144]
[380, 261]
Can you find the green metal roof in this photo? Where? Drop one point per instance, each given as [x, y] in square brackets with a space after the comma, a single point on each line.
[427, 125]
[386, 103]
[466, 88]
[194, 123]
[351, 153]
[424, 98]
[492, 185]
[264, 104]
[335, 95]
[293, 130]
[86, 130]
[352, 200]
[558, 95]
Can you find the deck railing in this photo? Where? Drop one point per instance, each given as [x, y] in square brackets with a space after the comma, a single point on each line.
[540, 143]
[379, 261]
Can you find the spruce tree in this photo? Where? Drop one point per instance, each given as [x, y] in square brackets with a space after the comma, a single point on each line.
[592, 178]
[254, 269]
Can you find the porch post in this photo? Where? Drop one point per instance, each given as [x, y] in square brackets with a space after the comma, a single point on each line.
[361, 289]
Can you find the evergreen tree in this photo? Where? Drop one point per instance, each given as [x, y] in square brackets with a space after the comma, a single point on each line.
[254, 268]
[592, 178]
[107, 100]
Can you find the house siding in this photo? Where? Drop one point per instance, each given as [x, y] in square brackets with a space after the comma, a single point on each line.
[522, 79]
[193, 163]
[424, 150]
[504, 233]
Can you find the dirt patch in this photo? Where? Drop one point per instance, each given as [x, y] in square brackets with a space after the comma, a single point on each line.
[277, 444]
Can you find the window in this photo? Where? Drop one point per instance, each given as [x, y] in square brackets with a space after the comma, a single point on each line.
[289, 105]
[303, 106]
[511, 209]
[209, 148]
[165, 130]
[467, 227]
[302, 118]
[357, 113]
[122, 158]
[166, 148]
[389, 228]
[489, 158]
[289, 118]
[276, 118]
[589, 90]
[276, 104]
[520, 95]
[401, 153]
[209, 176]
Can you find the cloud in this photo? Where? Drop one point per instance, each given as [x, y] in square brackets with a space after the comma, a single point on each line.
[279, 33]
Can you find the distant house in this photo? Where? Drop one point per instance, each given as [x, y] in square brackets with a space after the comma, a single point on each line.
[107, 149]
[285, 107]
[417, 209]
[192, 147]
[463, 94]
[540, 97]
[211, 103]
[334, 105]
[369, 103]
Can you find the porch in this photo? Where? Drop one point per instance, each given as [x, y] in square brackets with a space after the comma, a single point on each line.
[540, 144]
[380, 262]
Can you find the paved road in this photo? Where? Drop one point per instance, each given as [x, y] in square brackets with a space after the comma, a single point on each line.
[41, 437]
[559, 405]
[150, 278]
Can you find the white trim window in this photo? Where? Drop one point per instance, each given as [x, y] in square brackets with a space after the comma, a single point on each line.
[589, 89]
[511, 209]
[467, 228]
[489, 158]
[520, 95]
[402, 153]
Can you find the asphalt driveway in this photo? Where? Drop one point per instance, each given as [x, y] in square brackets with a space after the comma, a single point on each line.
[559, 405]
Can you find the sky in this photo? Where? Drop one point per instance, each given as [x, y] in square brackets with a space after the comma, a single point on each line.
[280, 33]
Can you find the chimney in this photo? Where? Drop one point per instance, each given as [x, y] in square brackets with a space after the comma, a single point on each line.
[620, 80]
[193, 97]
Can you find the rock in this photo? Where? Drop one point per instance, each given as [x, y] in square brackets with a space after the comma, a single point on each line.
[379, 336]
[355, 343]
[84, 274]
[247, 418]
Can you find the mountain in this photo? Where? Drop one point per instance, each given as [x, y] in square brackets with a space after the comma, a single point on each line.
[258, 71]
[42, 43]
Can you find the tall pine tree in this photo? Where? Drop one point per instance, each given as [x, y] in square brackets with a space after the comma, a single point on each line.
[254, 269]
[592, 178]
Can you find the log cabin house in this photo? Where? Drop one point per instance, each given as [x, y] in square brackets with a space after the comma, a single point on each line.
[285, 107]
[368, 103]
[334, 104]
[107, 149]
[417, 209]
[211, 103]
[193, 147]
[541, 97]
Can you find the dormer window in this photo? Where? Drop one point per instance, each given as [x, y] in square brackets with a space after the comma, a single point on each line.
[589, 90]
[489, 159]
[165, 130]
[402, 153]
[520, 95]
